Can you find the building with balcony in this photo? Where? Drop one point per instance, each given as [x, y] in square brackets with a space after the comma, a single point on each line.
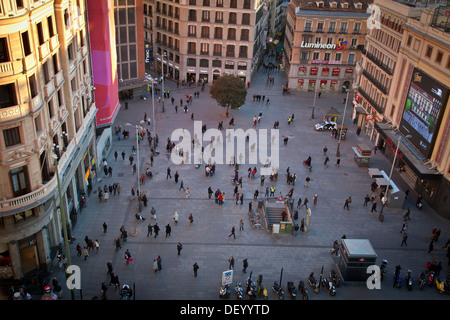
[323, 42]
[202, 39]
[417, 109]
[373, 102]
[129, 31]
[47, 121]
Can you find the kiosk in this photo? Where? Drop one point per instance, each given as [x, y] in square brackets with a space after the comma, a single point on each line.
[362, 155]
[355, 256]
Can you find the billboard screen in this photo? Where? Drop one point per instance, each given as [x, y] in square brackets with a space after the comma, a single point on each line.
[423, 110]
[104, 60]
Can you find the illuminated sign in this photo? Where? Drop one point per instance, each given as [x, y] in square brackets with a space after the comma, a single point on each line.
[340, 46]
[423, 110]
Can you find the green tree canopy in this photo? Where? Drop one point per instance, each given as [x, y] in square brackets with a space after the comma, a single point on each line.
[229, 91]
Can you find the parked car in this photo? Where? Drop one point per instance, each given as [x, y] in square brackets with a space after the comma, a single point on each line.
[327, 125]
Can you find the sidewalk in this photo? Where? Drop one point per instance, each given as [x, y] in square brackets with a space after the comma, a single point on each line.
[206, 240]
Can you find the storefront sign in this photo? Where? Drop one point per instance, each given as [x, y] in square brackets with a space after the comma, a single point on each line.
[313, 71]
[336, 72]
[326, 62]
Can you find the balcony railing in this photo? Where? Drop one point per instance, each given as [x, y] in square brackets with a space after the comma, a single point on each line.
[376, 61]
[11, 68]
[375, 82]
[372, 102]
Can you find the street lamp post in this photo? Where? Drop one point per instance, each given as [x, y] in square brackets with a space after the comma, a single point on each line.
[338, 152]
[138, 160]
[383, 204]
[63, 221]
[162, 74]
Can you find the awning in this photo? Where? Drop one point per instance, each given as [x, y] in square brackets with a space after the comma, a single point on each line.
[412, 157]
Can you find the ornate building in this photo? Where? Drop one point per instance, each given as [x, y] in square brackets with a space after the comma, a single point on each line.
[46, 112]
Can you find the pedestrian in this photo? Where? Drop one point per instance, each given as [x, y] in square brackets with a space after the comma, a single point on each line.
[405, 237]
[156, 229]
[158, 262]
[168, 230]
[117, 242]
[431, 246]
[307, 181]
[245, 264]
[242, 198]
[128, 257]
[315, 199]
[404, 227]
[233, 230]
[85, 253]
[123, 155]
[96, 245]
[237, 197]
[188, 193]
[182, 186]
[195, 267]
[338, 162]
[241, 225]
[155, 265]
[168, 174]
[191, 218]
[115, 155]
[231, 261]
[105, 227]
[366, 200]
[153, 213]
[179, 247]
[110, 267]
[149, 229]
[175, 217]
[374, 206]
[346, 204]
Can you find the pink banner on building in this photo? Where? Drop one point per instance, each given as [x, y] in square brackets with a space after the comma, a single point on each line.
[104, 60]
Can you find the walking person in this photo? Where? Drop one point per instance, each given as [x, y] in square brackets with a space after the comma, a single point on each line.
[158, 262]
[431, 246]
[407, 213]
[118, 245]
[149, 229]
[346, 204]
[105, 227]
[191, 218]
[195, 267]
[110, 267]
[315, 199]
[245, 265]
[231, 261]
[168, 174]
[405, 237]
[374, 206]
[155, 265]
[307, 181]
[168, 230]
[175, 217]
[156, 229]
[85, 253]
[366, 200]
[179, 247]
[241, 225]
[128, 257]
[233, 232]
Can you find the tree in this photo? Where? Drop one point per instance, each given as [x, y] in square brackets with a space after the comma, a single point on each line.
[229, 91]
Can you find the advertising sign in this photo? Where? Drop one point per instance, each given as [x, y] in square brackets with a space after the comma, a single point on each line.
[423, 110]
[227, 277]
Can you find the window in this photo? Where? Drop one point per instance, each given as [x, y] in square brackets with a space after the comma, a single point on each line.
[219, 3]
[205, 16]
[231, 34]
[51, 112]
[217, 50]
[26, 44]
[357, 27]
[192, 2]
[191, 47]
[191, 62]
[219, 16]
[33, 86]
[66, 18]
[218, 33]
[232, 18]
[51, 30]
[408, 43]
[55, 63]
[332, 26]
[233, 3]
[429, 51]
[12, 137]
[230, 50]
[245, 34]
[8, 95]
[45, 68]
[19, 181]
[204, 48]
[354, 43]
[40, 33]
[192, 31]
[351, 58]
[318, 40]
[320, 26]
[316, 55]
[204, 63]
[246, 4]
[327, 56]
[329, 40]
[4, 54]
[439, 57]
[217, 63]
[206, 3]
[71, 52]
[246, 18]
[192, 15]
[343, 28]
[338, 56]
[243, 51]
[308, 24]
[19, 4]
[205, 32]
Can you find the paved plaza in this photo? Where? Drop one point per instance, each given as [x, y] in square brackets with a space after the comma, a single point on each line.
[206, 240]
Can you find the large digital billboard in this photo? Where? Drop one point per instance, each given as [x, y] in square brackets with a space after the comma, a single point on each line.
[423, 110]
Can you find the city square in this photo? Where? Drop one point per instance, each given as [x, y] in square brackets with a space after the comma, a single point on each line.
[206, 240]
